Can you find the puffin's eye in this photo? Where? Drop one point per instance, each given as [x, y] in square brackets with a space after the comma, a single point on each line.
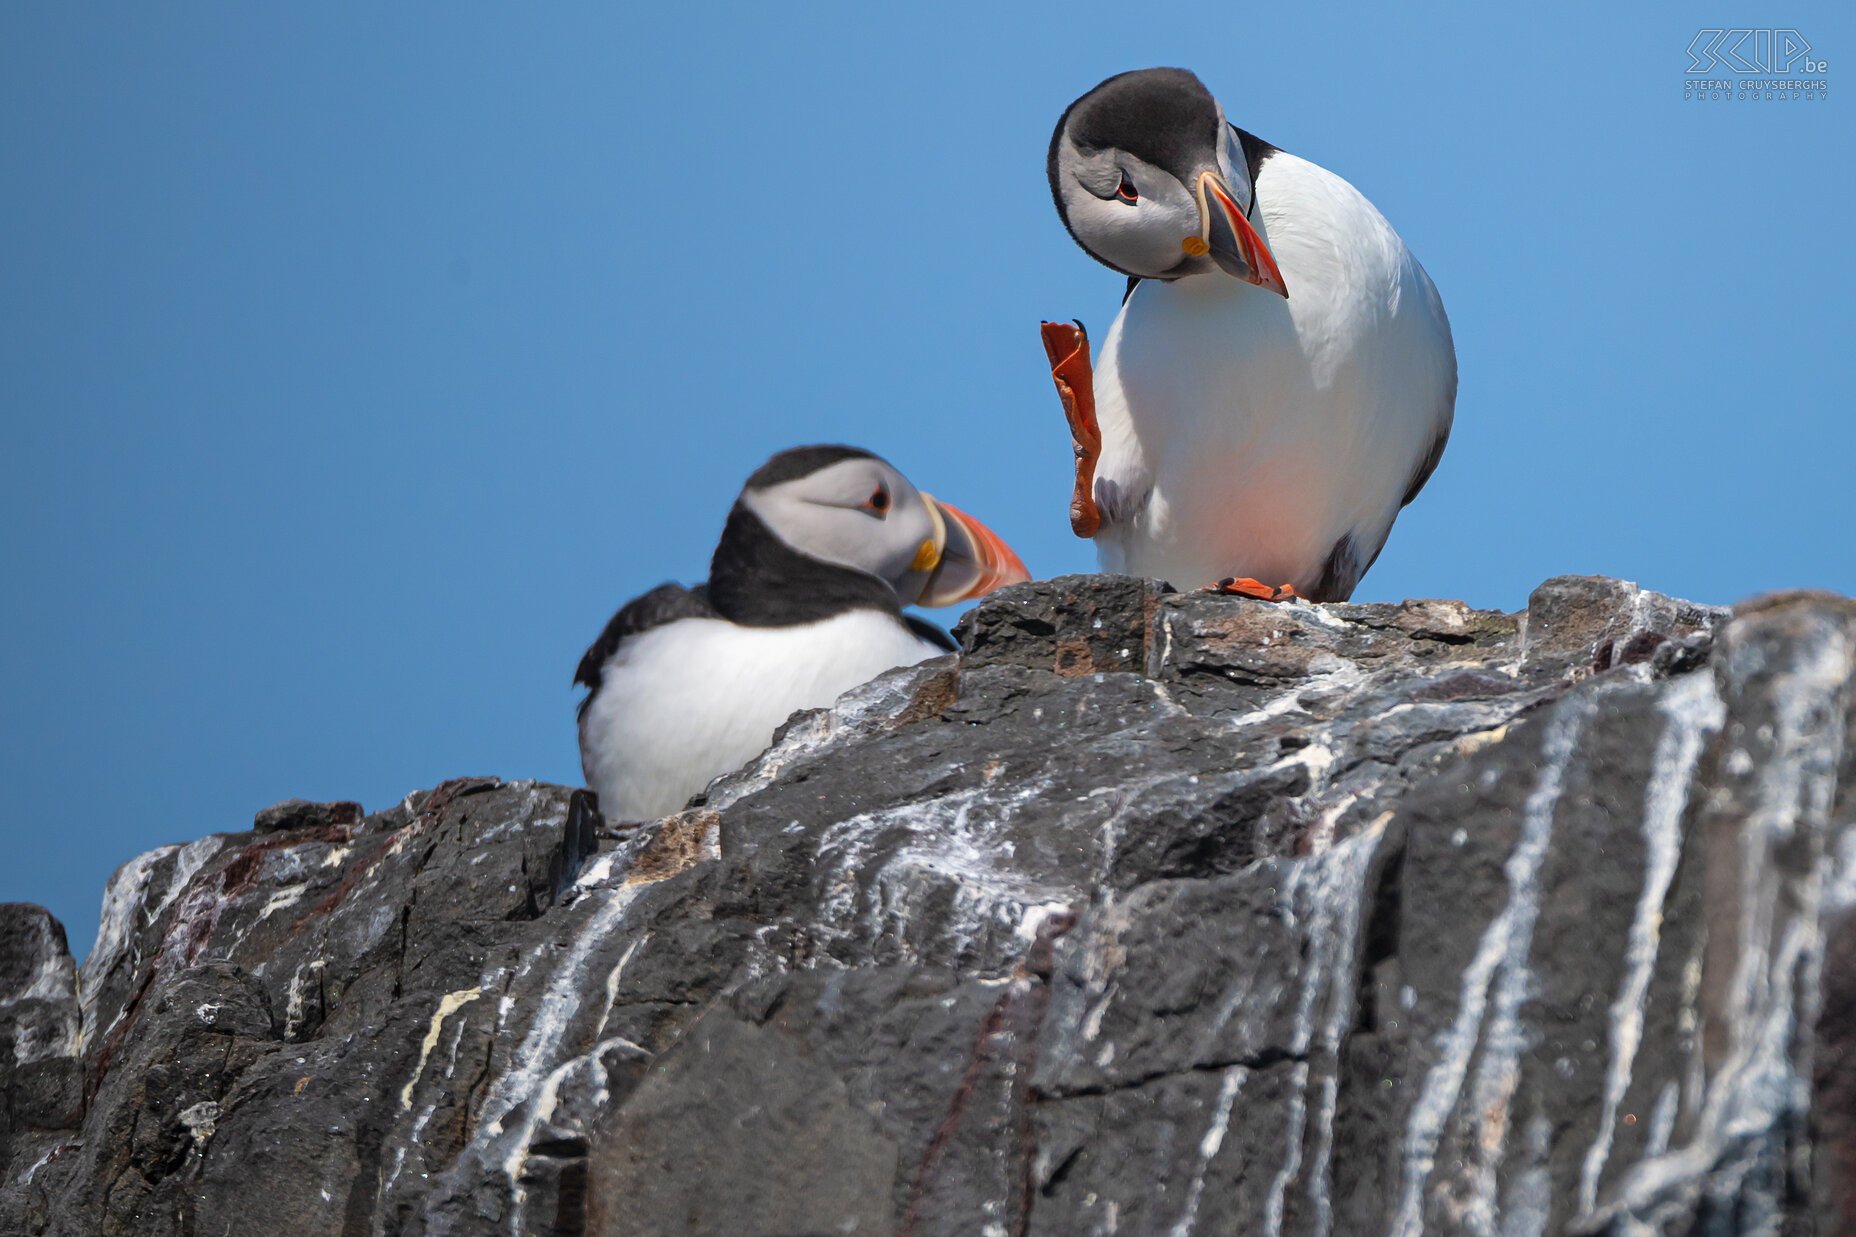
[878, 501]
[1125, 191]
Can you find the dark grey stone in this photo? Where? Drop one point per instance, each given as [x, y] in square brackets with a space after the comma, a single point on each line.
[41, 1064]
[302, 814]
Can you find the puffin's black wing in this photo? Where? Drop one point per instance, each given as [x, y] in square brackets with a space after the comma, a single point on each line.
[664, 604]
[1426, 466]
[930, 632]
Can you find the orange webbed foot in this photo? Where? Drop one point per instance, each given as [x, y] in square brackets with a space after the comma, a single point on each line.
[1244, 586]
[1067, 346]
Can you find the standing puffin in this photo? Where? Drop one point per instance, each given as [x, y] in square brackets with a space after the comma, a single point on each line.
[822, 549]
[1281, 379]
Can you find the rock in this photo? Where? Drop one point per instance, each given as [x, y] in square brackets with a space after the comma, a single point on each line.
[302, 814]
[41, 1066]
[1148, 912]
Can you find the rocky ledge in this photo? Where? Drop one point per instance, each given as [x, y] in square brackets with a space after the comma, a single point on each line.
[1148, 913]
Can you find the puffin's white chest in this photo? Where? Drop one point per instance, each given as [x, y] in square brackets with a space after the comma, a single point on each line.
[1264, 429]
[681, 704]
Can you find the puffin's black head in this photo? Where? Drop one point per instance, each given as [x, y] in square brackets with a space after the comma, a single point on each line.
[820, 528]
[1151, 181]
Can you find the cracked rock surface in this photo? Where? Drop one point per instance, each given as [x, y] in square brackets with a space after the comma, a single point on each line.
[1147, 913]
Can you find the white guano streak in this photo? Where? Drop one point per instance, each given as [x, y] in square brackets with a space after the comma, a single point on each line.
[1325, 892]
[1757, 1080]
[1340, 893]
[424, 1118]
[126, 893]
[1208, 1148]
[559, 1003]
[448, 1004]
[541, 1112]
[1292, 1158]
[1693, 710]
[612, 982]
[1504, 944]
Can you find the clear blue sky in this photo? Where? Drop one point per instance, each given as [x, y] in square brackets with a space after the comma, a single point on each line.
[357, 362]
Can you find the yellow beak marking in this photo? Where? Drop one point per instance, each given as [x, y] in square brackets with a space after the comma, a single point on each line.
[925, 557]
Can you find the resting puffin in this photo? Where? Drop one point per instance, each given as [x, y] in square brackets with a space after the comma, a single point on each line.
[820, 552]
[1281, 378]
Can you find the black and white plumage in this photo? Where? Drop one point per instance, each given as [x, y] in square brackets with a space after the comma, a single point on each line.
[1281, 378]
[820, 552]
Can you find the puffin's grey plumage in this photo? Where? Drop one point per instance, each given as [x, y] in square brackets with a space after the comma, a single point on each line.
[820, 552]
[1269, 425]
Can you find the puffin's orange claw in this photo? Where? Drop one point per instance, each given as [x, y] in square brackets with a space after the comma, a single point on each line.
[1244, 586]
[1067, 346]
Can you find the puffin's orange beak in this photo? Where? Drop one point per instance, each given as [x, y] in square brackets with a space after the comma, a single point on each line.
[974, 561]
[1233, 244]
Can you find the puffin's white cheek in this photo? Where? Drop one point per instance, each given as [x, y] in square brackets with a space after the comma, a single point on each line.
[1145, 238]
[844, 536]
[1142, 238]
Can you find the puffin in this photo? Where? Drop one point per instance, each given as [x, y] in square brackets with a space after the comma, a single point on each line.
[1280, 381]
[819, 554]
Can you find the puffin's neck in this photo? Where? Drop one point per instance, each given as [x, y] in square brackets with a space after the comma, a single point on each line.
[757, 580]
[1256, 154]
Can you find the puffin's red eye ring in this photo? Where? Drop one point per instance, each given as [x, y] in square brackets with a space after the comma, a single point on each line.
[1126, 191]
[878, 501]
